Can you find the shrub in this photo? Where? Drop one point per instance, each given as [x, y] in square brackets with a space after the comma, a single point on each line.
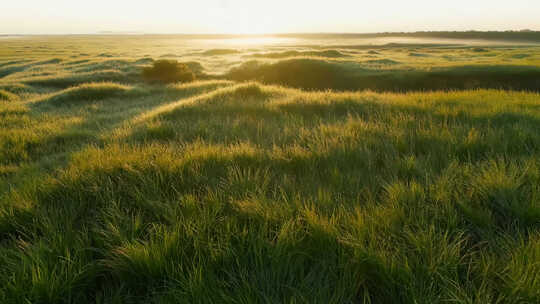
[168, 71]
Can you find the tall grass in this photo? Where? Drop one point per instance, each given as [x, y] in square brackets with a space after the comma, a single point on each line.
[264, 194]
[224, 192]
[7, 96]
[317, 74]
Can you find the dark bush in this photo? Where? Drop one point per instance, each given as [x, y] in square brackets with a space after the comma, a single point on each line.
[167, 71]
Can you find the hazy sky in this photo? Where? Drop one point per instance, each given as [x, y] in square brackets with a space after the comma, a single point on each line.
[264, 16]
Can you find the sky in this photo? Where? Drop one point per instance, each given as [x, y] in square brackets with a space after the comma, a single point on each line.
[264, 16]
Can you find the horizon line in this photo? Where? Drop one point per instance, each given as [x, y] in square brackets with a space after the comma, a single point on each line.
[112, 33]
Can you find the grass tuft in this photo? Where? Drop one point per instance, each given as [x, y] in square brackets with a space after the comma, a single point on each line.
[89, 92]
[7, 96]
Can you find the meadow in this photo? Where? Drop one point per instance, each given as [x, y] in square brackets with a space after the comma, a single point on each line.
[290, 171]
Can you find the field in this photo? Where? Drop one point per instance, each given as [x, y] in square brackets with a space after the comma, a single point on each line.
[291, 171]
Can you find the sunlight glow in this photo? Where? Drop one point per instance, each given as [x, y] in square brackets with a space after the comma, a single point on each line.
[258, 16]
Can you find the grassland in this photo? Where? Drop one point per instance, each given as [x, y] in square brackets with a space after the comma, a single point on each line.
[233, 189]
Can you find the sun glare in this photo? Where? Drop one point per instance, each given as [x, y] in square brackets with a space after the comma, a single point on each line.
[261, 17]
[239, 22]
[244, 28]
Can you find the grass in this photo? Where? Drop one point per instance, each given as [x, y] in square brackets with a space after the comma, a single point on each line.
[7, 96]
[218, 52]
[316, 74]
[77, 79]
[89, 92]
[287, 54]
[221, 191]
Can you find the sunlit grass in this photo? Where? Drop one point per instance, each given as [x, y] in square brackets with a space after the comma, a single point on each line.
[223, 192]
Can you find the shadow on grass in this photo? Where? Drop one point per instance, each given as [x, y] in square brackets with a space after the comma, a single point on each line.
[149, 208]
[334, 197]
[101, 118]
[312, 74]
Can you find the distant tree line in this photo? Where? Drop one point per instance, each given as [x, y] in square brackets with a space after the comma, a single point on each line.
[525, 35]
[522, 35]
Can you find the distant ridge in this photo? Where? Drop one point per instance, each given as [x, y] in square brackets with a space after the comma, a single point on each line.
[120, 33]
[524, 35]
[521, 35]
